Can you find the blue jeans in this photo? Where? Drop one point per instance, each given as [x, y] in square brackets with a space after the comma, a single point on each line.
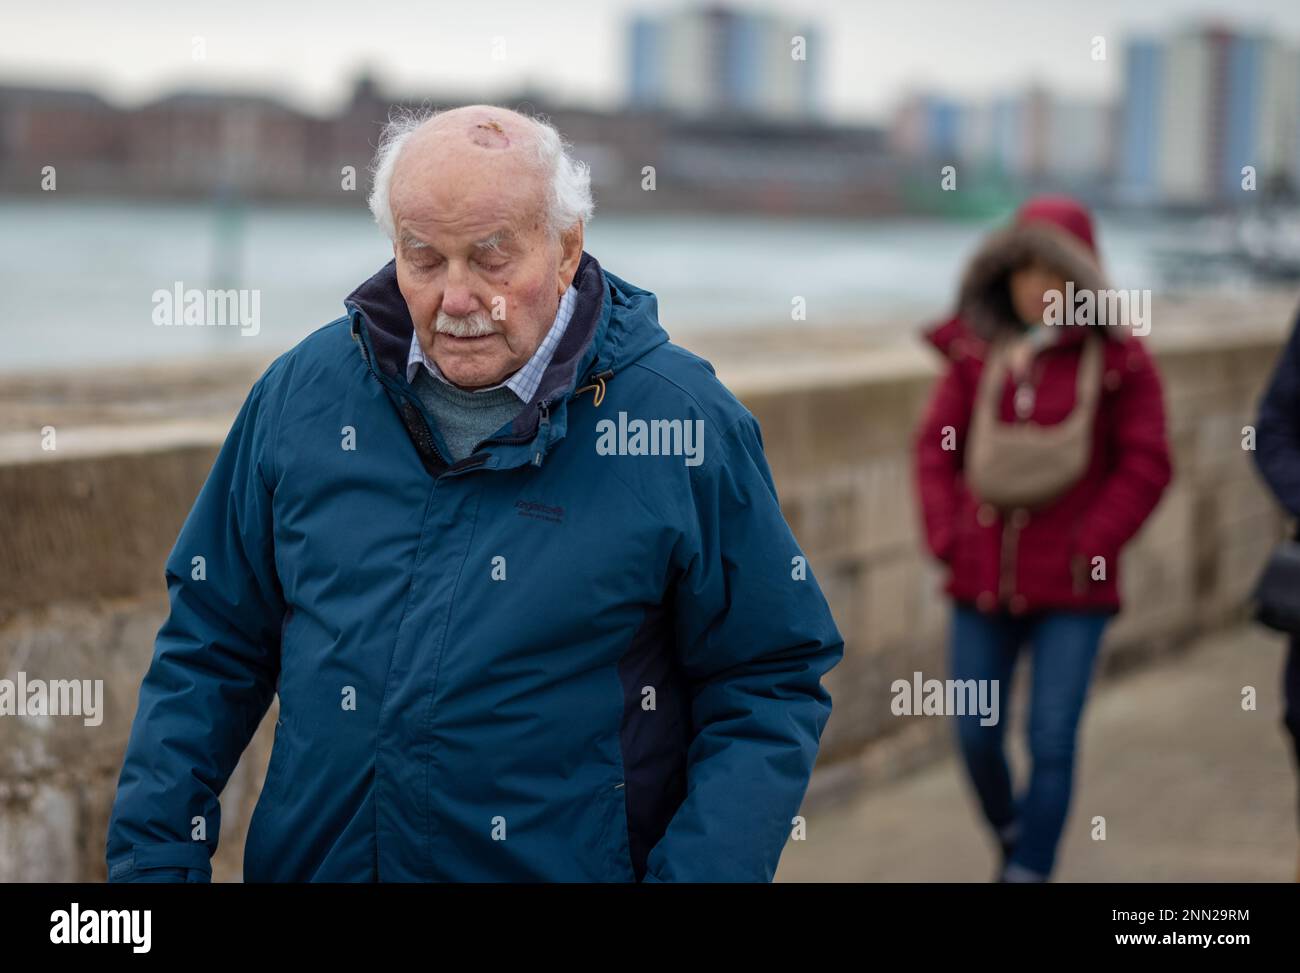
[1064, 646]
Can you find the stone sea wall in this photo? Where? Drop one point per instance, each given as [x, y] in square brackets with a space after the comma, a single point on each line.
[84, 530]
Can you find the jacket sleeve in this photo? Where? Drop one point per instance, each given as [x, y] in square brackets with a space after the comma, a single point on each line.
[1140, 468]
[754, 636]
[214, 670]
[944, 423]
[1277, 430]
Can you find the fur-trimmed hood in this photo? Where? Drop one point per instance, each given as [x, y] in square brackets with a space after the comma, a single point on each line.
[1054, 229]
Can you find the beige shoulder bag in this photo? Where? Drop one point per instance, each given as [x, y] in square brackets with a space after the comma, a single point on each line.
[1024, 464]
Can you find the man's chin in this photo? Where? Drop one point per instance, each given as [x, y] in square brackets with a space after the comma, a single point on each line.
[473, 378]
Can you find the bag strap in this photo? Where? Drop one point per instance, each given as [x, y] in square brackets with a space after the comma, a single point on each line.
[988, 394]
[1088, 381]
[1087, 378]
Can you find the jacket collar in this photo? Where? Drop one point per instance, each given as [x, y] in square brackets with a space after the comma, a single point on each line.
[378, 309]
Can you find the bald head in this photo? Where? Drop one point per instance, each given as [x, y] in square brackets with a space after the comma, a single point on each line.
[477, 158]
[417, 151]
[485, 126]
[490, 134]
[484, 134]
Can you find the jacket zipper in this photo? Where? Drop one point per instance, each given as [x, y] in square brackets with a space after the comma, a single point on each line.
[544, 421]
[543, 430]
[410, 399]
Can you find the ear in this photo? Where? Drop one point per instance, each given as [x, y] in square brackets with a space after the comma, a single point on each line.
[570, 255]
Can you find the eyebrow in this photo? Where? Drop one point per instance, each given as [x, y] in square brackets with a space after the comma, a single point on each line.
[411, 243]
[494, 241]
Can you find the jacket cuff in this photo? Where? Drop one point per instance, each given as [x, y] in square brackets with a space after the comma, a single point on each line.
[159, 875]
[179, 861]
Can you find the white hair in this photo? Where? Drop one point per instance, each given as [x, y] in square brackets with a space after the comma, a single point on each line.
[569, 200]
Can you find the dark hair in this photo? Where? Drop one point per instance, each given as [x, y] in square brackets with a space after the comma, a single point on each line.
[985, 295]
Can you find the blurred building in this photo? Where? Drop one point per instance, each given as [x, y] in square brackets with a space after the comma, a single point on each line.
[1029, 138]
[712, 60]
[76, 132]
[1196, 108]
[191, 142]
[184, 144]
[238, 146]
[1199, 106]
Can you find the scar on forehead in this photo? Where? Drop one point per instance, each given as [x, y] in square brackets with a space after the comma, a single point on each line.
[489, 134]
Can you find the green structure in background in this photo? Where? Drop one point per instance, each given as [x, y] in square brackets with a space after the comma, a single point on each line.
[982, 192]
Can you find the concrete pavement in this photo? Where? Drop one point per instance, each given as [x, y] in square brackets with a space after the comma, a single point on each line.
[1192, 787]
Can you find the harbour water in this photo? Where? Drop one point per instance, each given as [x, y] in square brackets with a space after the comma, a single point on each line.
[79, 276]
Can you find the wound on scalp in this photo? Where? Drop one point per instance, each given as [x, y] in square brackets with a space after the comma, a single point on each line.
[489, 134]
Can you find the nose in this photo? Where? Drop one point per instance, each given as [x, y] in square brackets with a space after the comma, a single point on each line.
[457, 300]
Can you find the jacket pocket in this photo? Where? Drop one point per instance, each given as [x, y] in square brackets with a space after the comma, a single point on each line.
[265, 832]
[614, 834]
[275, 766]
[967, 533]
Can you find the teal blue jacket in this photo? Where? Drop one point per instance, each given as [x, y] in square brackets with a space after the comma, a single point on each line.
[589, 651]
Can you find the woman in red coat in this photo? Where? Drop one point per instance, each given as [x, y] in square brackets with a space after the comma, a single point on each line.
[1031, 482]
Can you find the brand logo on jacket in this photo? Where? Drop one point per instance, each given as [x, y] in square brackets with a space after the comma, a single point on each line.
[539, 511]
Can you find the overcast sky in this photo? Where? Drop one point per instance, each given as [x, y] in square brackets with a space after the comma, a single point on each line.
[306, 52]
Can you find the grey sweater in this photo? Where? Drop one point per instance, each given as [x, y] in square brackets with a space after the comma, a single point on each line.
[465, 418]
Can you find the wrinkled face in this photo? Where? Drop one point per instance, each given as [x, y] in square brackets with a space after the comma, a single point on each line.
[1029, 287]
[480, 273]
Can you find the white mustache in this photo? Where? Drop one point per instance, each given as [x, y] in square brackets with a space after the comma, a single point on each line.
[475, 325]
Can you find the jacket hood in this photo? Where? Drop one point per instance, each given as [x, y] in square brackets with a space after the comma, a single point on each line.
[952, 338]
[1053, 229]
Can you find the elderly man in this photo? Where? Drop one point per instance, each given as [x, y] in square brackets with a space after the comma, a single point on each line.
[513, 562]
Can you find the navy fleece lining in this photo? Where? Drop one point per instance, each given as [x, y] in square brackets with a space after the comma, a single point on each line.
[386, 317]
